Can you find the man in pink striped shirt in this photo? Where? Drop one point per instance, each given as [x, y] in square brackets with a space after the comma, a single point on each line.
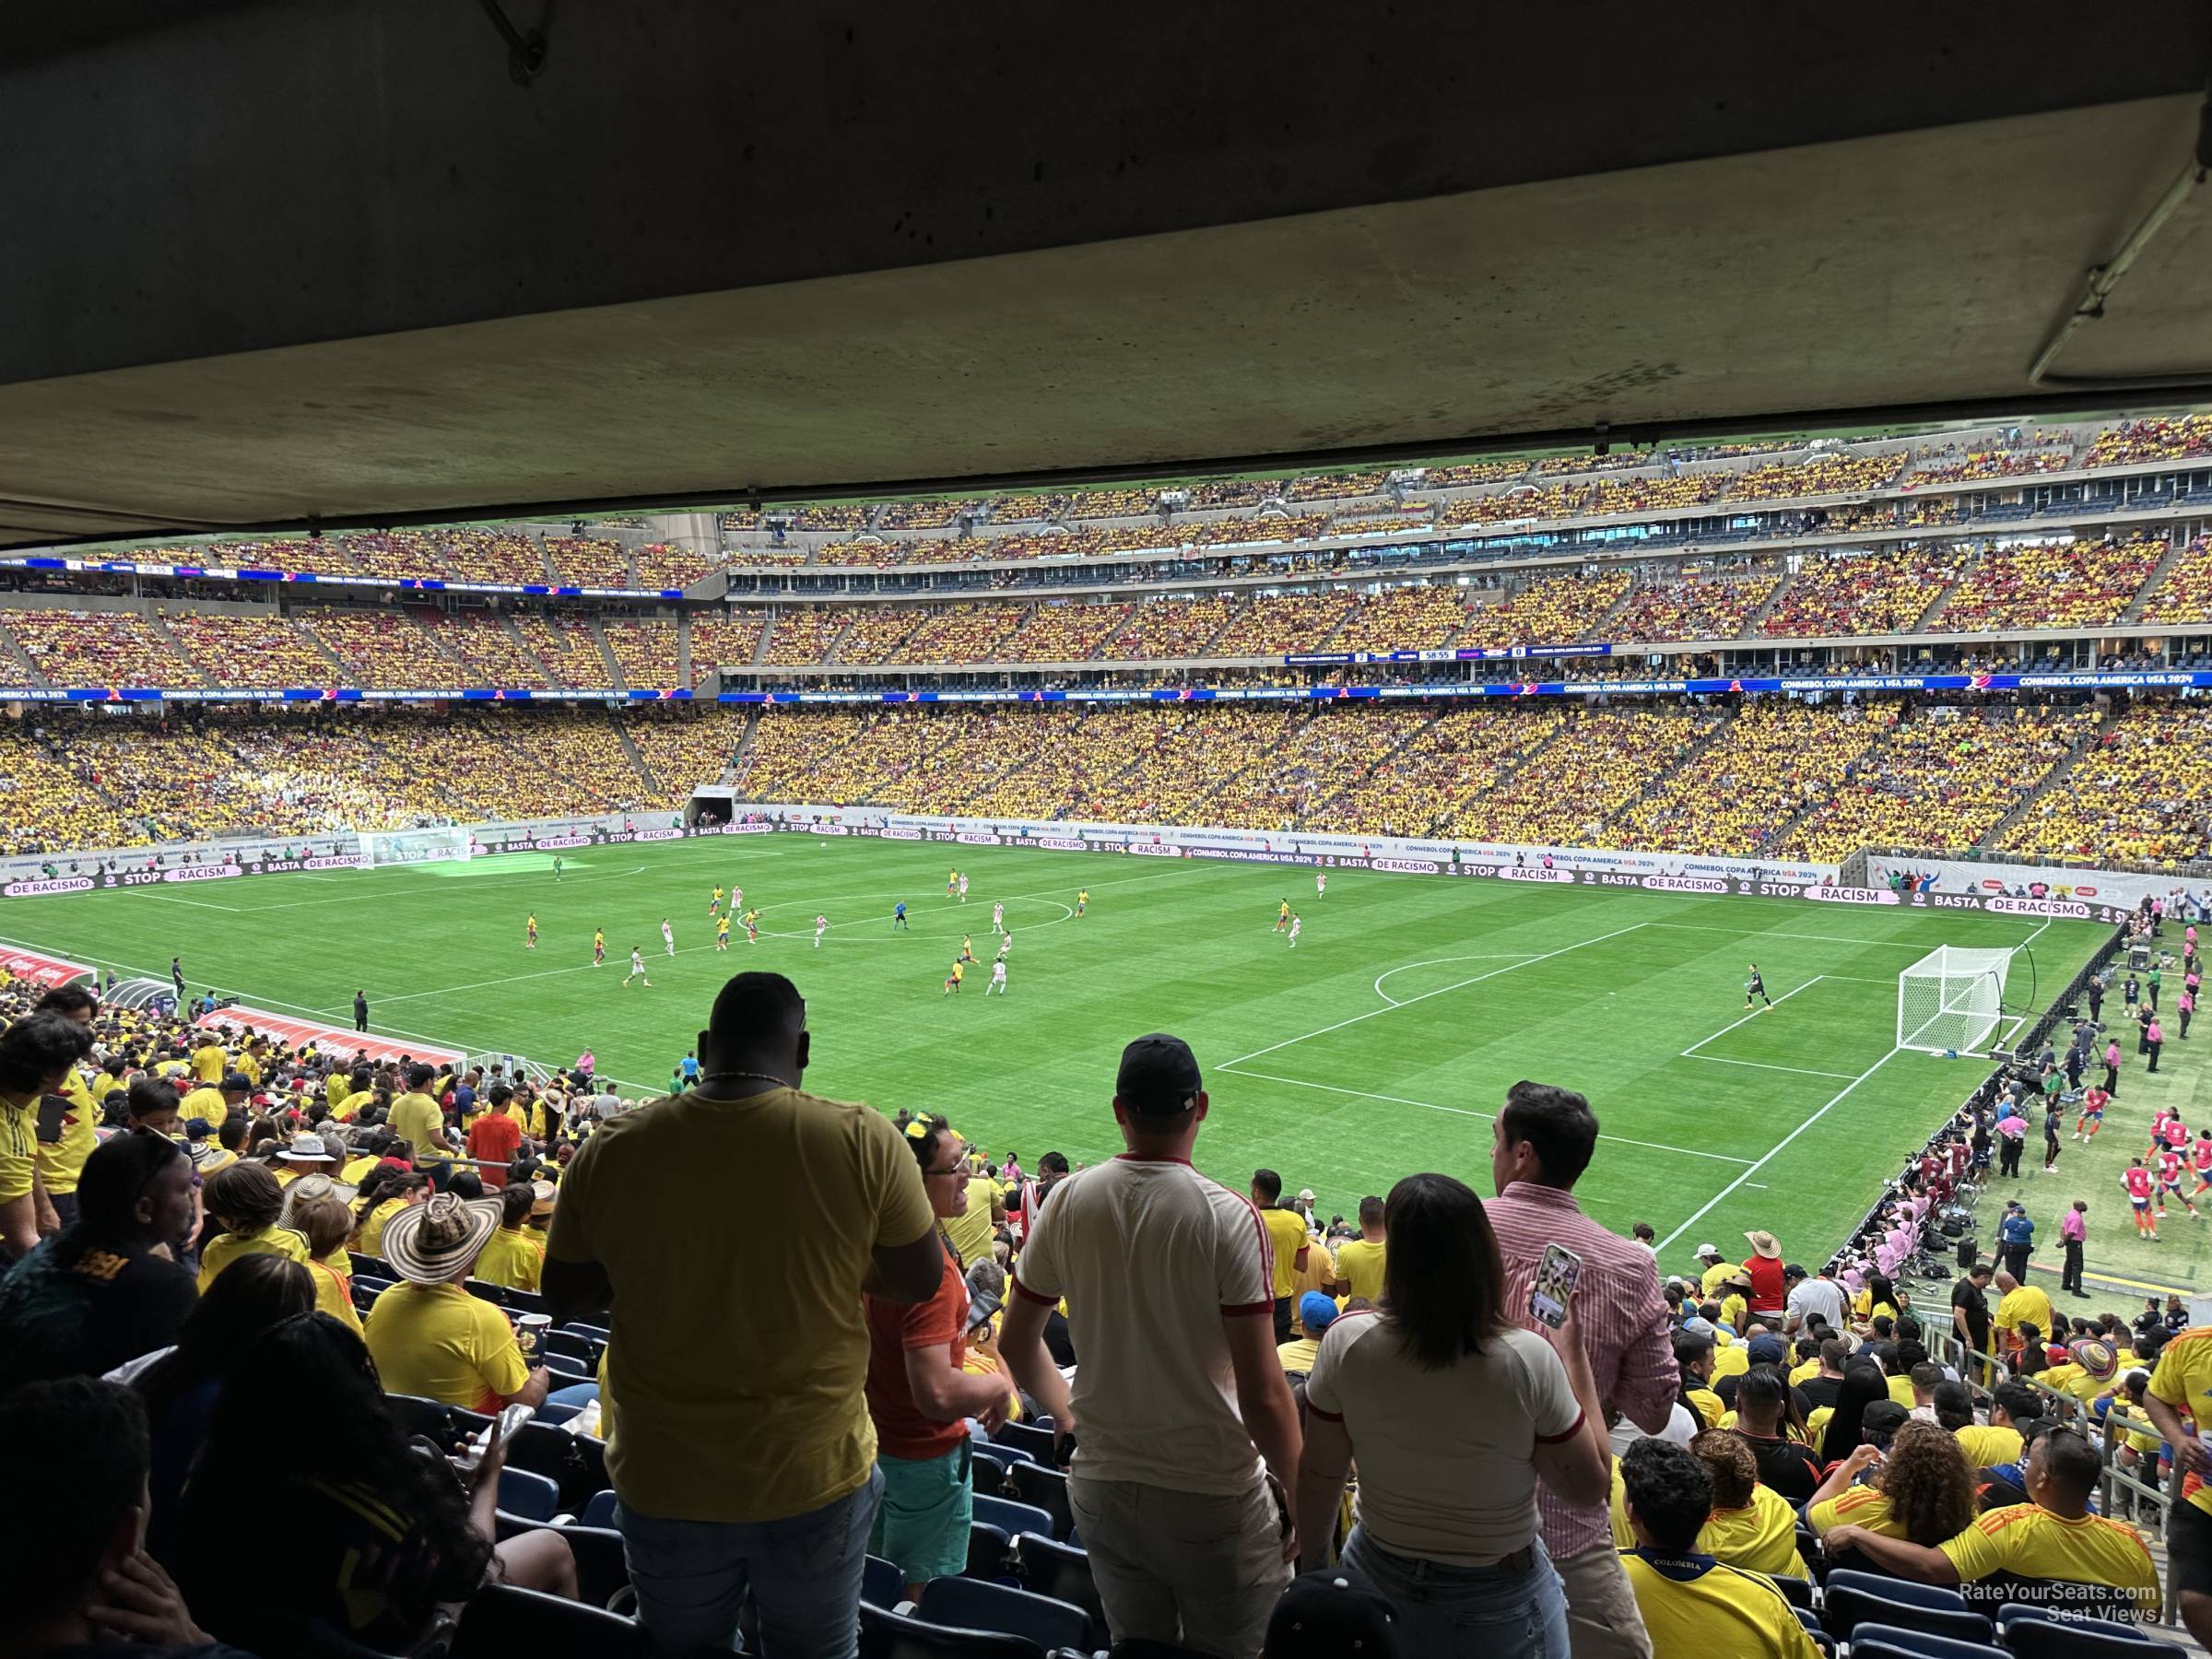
[1545, 1140]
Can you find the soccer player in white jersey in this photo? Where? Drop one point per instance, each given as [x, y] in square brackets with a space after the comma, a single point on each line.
[998, 978]
[667, 937]
[963, 890]
[1006, 943]
[998, 918]
[1297, 922]
[821, 926]
[637, 969]
[1321, 883]
[736, 901]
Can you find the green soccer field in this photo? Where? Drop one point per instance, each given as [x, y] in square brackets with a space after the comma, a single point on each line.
[1379, 1046]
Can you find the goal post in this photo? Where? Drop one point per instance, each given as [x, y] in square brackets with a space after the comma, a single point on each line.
[382, 848]
[1951, 1001]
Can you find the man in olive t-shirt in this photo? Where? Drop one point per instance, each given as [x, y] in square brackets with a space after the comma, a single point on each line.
[733, 1468]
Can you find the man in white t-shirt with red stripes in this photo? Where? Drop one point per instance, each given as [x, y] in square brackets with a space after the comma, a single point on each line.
[1184, 1436]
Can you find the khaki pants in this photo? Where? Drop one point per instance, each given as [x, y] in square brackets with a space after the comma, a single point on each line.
[1192, 1568]
[1602, 1619]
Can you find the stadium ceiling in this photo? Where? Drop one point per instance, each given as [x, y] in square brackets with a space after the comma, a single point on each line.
[368, 260]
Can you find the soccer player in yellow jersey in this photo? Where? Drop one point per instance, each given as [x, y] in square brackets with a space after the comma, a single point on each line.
[1082, 900]
[530, 932]
[1282, 916]
[2052, 1539]
[1691, 1603]
[752, 926]
[598, 948]
[714, 904]
[967, 948]
[952, 981]
[952, 883]
[722, 932]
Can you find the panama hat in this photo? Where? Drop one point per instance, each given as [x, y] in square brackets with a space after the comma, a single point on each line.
[427, 1243]
[1763, 1244]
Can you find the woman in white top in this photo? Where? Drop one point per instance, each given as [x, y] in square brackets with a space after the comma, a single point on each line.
[1455, 1411]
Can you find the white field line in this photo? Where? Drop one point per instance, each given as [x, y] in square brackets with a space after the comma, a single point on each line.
[1364, 1094]
[1803, 1071]
[1835, 1099]
[1492, 956]
[1776, 933]
[1440, 990]
[195, 903]
[1691, 1050]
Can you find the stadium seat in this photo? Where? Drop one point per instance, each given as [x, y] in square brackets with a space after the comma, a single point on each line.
[882, 1584]
[1010, 1517]
[888, 1635]
[1846, 1606]
[558, 1378]
[989, 1548]
[1047, 1489]
[2039, 1633]
[1796, 1591]
[599, 1510]
[1037, 1443]
[987, 1468]
[1061, 1571]
[532, 1497]
[522, 1301]
[261, 1628]
[502, 1621]
[429, 1418]
[1894, 1641]
[598, 1334]
[1811, 1622]
[483, 1290]
[602, 1568]
[576, 1463]
[972, 1605]
[572, 1345]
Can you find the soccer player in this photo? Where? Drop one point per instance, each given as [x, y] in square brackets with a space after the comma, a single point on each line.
[637, 969]
[1296, 922]
[1756, 986]
[2139, 1185]
[737, 898]
[967, 948]
[1282, 915]
[2200, 1159]
[1006, 943]
[715, 903]
[557, 866]
[1321, 883]
[998, 978]
[952, 883]
[963, 890]
[1082, 900]
[821, 926]
[998, 918]
[752, 926]
[722, 932]
[952, 980]
[2093, 1102]
[598, 948]
[2169, 1181]
[899, 915]
[667, 937]
[530, 931]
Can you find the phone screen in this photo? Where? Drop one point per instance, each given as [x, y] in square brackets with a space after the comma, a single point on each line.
[1557, 1275]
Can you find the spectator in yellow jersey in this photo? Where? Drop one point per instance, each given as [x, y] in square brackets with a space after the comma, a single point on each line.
[2181, 1382]
[431, 1337]
[62, 1155]
[385, 1193]
[1922, 1491]
[215, 1101]
[1692, 1604]
[1751, 1526]
[244, 1200]
[1287, 1237]
[1316, 1314]
[2052, 1543]
[514, 1256]
[207, 1059]
[1359, 1261]
[37, 1056]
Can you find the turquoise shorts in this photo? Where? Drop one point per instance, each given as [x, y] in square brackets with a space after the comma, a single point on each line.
[922, 1522]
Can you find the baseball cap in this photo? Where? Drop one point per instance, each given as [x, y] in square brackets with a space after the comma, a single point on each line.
[1332, 1614]
[1885, 1417]
[1768, 1349]
[1706, 1250]
[1158, 1076]
[235, 1083]
[1316, 1311]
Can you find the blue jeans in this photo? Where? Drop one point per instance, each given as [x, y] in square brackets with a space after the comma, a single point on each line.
[803, 1572]
[1468, 1612]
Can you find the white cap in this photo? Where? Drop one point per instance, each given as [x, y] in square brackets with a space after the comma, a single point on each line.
[1305, 1194]
[1705, 1250]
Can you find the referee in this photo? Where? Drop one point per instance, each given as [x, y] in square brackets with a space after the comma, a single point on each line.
[1756, 987]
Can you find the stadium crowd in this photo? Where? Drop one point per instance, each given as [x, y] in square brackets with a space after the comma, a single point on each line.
[1388, 1433]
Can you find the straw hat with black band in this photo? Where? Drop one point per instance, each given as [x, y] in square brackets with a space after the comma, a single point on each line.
[436, 1240]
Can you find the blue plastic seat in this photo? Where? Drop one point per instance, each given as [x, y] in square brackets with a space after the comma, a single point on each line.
[599, 1509]
[1797, 1592]
[973, 1604]
[1894, 1641]
[888, 1635]
[503, 1621]
[1853, 1597]
[1010, 1517]
[1063, 1573]
[1036, 1441]
[2041, 1633]
[602, 1566]
[1047, 1489]
[988, 1549]
[881, 1583]
[532, 1496]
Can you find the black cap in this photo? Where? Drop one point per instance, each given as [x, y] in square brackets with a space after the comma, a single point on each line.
[1794, 1271]
[1158, 1076]
[1884, 1417]
[1334, 1614]
[236, 1083]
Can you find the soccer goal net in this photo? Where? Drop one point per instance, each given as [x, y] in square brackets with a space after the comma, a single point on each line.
[1951, 1001]
[380, 848]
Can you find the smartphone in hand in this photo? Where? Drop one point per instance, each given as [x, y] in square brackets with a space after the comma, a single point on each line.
[1557, 1275]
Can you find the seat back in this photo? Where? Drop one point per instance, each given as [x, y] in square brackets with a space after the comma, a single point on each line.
[988, 1547]
[602, 1568]
[2037, 1633]
[1797, 1592]
[888, 1635]
[599, 1509]
[503, 1621]
[1047, 1489]
[532, 1496]
[1037, 1443]
[881, 1583]
[1938, 1596]
[973, 1604]
[1894, 1641]
[575, 1463]
[1848, 1608]
[1063, 1573]
[1010, 1517]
